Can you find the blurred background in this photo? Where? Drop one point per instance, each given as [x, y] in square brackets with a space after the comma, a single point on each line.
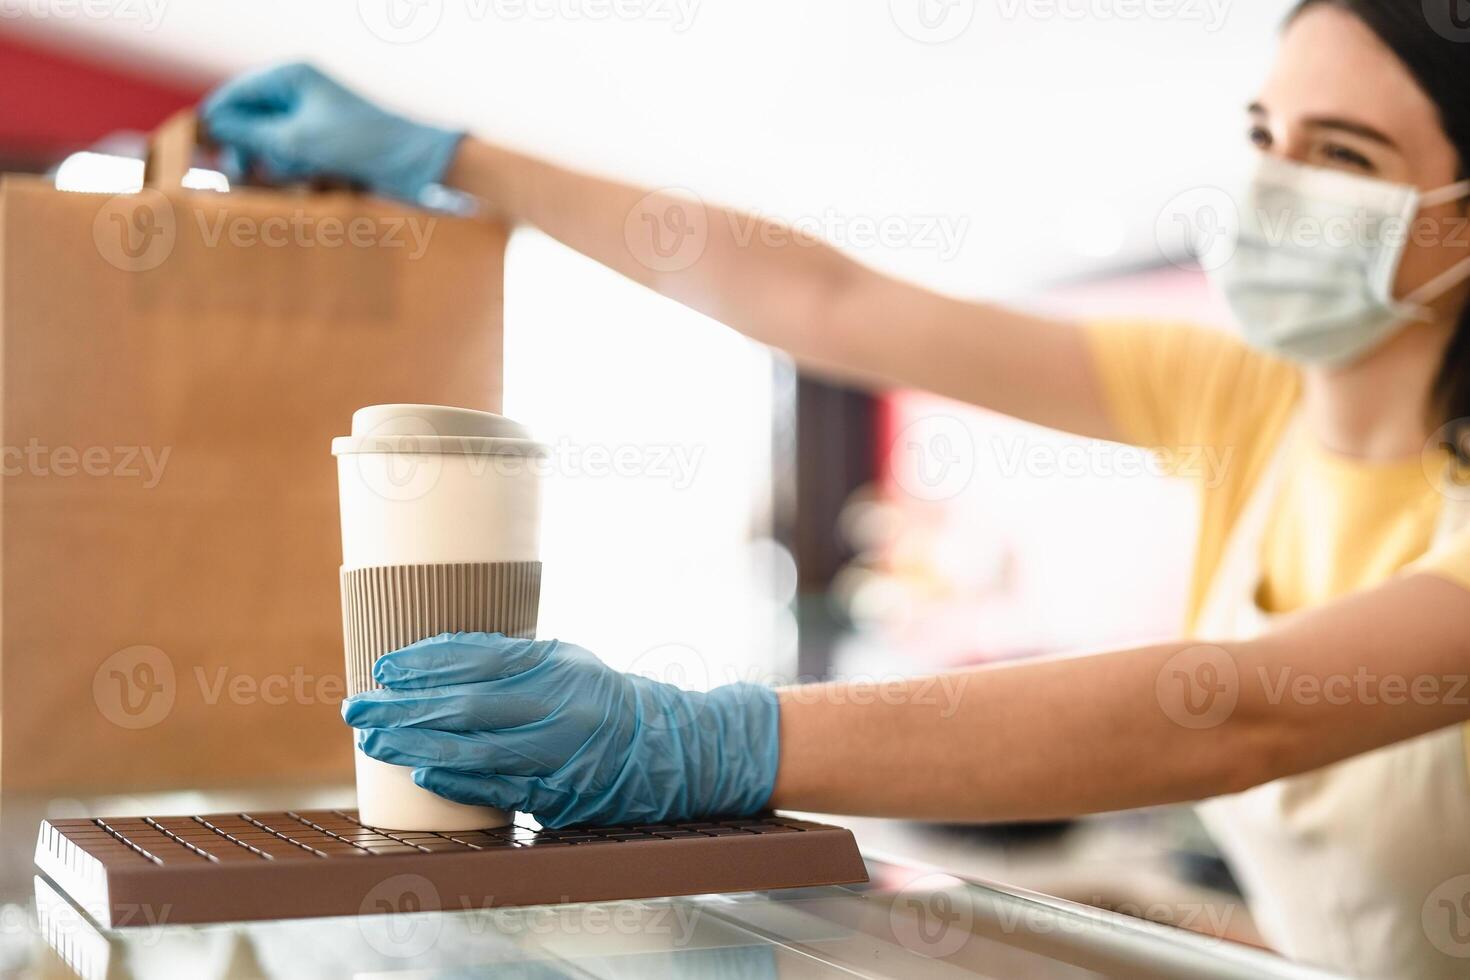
[778, 526]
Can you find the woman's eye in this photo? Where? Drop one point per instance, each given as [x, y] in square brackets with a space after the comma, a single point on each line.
[1345, 156]
[1260, 136]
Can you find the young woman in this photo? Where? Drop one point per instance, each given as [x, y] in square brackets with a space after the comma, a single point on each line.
[1319, 702]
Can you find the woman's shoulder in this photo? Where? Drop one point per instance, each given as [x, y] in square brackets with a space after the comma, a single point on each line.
[1187, 346]
[1187, 383]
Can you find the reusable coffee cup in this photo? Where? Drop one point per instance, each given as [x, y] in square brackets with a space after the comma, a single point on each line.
[440, 533]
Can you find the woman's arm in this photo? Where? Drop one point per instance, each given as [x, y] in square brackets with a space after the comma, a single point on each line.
[291, 122]
[799, 295]
[1062, 736]
[546, 728]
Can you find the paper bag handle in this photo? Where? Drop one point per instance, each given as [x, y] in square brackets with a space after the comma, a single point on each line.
[171, 151]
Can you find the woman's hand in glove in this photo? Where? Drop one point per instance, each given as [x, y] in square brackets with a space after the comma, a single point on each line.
[291, 122]
[546, 728]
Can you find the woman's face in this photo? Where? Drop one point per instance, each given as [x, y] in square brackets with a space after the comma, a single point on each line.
[1338, 97]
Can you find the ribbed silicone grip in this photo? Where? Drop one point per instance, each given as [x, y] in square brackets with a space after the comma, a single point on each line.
[387, 607]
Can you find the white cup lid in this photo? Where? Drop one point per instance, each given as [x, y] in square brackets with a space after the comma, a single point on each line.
[434, 429]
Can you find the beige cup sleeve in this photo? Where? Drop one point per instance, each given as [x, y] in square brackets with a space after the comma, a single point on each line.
[387, 607]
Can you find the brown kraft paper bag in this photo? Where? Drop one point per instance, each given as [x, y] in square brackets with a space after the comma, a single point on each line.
[175, 364]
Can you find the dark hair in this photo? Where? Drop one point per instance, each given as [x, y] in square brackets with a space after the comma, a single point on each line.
[1435, 47]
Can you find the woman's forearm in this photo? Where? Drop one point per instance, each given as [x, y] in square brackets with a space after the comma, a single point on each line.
[741, 270]
[785, 289]
[1161, 724]
[1035, 740]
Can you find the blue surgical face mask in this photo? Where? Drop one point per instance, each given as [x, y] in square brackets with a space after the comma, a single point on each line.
[1309, 266]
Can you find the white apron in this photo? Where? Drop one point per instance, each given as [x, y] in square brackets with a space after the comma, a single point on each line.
[1339, 864]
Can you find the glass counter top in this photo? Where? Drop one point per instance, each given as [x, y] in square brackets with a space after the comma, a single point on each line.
[907, 922]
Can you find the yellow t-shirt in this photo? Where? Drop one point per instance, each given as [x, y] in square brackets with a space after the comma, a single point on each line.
[1217, 410]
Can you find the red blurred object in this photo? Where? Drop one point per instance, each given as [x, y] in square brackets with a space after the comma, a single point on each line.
[1162, 293]
[60, 101]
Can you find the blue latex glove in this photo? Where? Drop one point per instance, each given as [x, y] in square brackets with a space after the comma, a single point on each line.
[293, 123]
[546, 728]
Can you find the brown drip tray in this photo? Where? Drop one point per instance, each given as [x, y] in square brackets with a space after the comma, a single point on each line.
[222, 867]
